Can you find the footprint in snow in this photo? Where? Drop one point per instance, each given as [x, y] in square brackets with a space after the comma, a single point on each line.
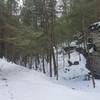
[12, 97]
[73, 88]
[6, 81]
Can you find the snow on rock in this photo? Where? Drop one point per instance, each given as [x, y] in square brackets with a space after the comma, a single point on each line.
[96, 23]
[73, 71]
[95, 26]
[18, 83]
[73, 44]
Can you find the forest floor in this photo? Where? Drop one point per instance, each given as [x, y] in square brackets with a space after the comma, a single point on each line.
[19, 83]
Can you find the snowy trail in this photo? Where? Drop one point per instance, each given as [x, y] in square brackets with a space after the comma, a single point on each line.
[18, 83]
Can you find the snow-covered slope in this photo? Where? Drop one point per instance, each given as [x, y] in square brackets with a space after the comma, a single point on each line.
[18, 83]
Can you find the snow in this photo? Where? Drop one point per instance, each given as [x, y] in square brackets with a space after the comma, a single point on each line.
[19, 83]
[96, 23]
[74, 70]
[73, 44]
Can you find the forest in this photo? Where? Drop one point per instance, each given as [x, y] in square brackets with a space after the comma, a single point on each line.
[49, 49]
[33, 30]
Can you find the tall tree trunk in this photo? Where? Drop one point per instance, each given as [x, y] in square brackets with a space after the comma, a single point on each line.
[43, 65]
[2, 44]
[69, 50]
[50, 61]
[54, 62]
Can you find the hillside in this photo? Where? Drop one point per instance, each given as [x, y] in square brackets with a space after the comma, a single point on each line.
[18, 83]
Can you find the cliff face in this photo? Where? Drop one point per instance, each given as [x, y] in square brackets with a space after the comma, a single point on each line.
[95, 57]
[94, 30]
[96, 38]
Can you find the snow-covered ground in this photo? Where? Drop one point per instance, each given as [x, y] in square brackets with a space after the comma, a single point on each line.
[18, 83]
